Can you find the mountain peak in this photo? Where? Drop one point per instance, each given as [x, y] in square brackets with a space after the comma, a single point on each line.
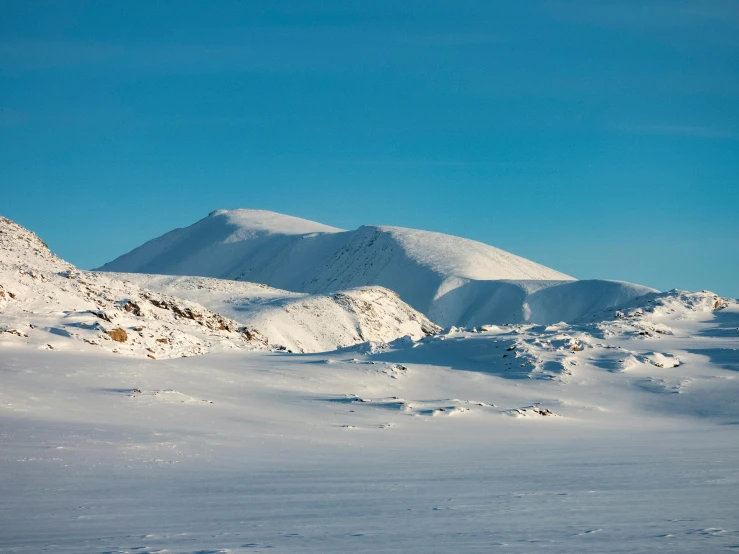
[270, 222]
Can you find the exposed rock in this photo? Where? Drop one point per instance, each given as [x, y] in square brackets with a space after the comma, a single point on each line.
[131, 307]
[118, 335]
[14, 332]
[253, 335]
[103, 316]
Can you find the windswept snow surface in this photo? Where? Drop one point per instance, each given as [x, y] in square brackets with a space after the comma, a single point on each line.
[615, 432]
[454, 281]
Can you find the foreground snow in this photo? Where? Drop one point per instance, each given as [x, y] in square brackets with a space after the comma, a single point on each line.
[288, 453]
[613, 435]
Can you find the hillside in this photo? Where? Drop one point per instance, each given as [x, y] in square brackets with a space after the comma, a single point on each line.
[45, 302]
[297, 321]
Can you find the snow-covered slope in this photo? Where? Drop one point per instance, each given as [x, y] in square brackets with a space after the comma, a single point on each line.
[473, 303]
[43, 298]
[47, 303]
[297, 321]
[293, 254]
[661, 342]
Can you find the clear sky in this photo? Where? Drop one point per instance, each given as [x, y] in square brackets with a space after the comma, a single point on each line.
[600, 138]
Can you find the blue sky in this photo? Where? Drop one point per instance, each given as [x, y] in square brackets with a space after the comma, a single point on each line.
[598, 138]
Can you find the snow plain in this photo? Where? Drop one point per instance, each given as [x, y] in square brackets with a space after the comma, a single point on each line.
[615, 431]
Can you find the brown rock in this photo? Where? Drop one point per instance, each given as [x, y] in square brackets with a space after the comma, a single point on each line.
[118, 335]
[163, 340]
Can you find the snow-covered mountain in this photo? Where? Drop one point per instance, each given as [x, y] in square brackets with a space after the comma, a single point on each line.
[617, 427]
[454, 281]
[43, 298]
